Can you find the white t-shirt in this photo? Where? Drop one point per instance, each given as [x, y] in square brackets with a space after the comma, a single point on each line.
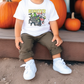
[36, 16]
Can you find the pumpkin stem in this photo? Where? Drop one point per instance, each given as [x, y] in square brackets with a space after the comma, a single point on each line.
[72, 15]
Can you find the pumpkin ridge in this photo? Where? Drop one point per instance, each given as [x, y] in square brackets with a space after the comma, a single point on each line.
[9, 15]
[6, 16]
[61, 9]
[12, 13]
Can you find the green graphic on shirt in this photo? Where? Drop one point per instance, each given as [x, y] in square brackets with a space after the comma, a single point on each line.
[36, 16]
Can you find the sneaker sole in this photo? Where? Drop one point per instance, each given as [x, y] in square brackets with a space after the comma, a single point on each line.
[62, 72]
[30, 78]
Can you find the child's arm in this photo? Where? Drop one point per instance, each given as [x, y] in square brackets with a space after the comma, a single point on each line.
[18, 27]
[54, 28]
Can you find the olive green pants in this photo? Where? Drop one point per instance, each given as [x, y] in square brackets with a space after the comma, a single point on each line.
[44, 39]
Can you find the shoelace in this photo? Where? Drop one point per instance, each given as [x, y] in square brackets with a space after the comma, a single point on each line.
[26, 66]
[23, 65]
[62, 62]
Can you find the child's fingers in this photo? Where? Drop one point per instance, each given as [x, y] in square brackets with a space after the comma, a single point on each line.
[17, 46]
[21, 41]
[17, 41]
[59, 43]
[53, 39]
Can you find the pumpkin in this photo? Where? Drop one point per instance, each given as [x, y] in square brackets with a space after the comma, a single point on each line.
[82, 9]
[72, 24]
[61, 10]
[77, 6]
[16, 0]
[7, 10]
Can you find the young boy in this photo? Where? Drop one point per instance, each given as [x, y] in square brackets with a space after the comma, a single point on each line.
[34, 18]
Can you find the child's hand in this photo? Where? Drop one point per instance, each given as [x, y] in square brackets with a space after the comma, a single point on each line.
[58, 39]
[17, 41]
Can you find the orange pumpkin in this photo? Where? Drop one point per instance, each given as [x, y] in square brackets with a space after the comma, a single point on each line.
[7, 10]
[16, 0]
[77, 6]
[61, 10]
[82, 9]
[72, 24]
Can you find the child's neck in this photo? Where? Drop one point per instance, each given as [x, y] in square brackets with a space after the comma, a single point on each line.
[37, 1]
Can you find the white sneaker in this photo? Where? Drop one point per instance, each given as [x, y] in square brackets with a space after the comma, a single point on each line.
[60, 66]
[30, 70]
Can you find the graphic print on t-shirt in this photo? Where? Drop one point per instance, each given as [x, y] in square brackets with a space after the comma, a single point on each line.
[36, 17]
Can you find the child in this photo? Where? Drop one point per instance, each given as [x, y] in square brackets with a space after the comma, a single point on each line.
[34, 18]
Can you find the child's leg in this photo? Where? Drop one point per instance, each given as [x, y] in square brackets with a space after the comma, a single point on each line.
[30, 69]
[26, 54]
[25, 60]
[56, 56]
[46, 40]
[26, 48]
[58, 63]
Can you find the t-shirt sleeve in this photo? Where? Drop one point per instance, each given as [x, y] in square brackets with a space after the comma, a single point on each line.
[19, 13]
[53, 13]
